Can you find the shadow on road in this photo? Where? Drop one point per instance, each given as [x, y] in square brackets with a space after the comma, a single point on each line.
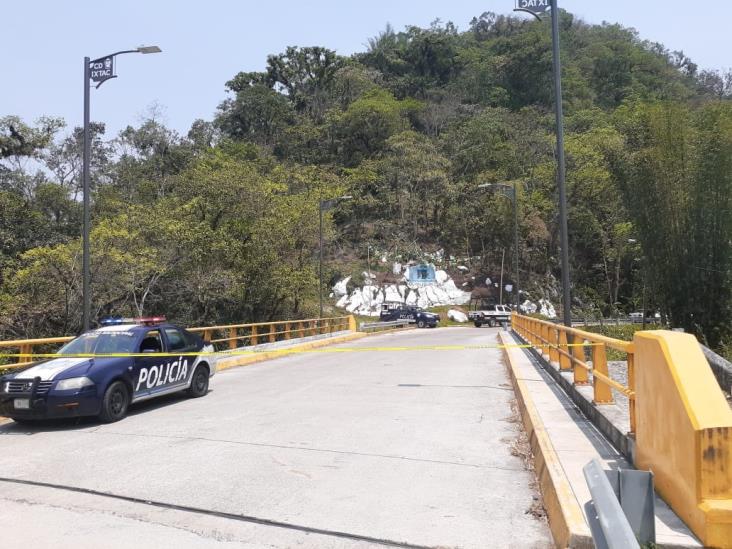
[76, 423]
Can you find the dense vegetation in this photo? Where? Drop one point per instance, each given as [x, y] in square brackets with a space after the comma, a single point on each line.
[221, 224]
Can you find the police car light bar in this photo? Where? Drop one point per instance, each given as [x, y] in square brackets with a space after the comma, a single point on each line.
[114, 320]
[149, 320]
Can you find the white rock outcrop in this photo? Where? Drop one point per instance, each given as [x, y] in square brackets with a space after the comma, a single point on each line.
[341, 287]
[457, 316]
[367, 300]
[544, 307]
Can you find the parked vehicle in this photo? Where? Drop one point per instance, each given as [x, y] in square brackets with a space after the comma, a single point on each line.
[103, 371]
[417, 315]
[482, 311]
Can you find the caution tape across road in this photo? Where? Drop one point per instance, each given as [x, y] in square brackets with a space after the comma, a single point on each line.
[281, 350]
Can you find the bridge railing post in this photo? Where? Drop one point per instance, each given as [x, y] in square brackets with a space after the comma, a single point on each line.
[554, 339]
[253, 335]
[545, 337]
[531, 331]
[578, 354]
[564, 362]
[631, 386]
[602, 394]
[232, 338]
[272, 335]
[26, 349]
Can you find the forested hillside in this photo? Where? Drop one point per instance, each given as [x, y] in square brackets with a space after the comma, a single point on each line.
[221, 224]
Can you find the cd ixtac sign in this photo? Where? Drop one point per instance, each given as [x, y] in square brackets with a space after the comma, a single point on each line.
[533, 6]
[101, 69]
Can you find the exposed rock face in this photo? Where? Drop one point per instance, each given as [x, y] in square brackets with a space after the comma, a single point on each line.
[367, 300]
[544, 307]
[341, 287]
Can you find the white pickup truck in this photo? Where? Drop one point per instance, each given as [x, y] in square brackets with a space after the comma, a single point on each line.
[491, 314]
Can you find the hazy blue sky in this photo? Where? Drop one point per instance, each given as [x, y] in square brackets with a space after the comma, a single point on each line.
[206, 42]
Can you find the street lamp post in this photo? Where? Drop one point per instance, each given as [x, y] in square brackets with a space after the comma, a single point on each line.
[536, 8]
[512, 188]
[99, 71]
[324, 206]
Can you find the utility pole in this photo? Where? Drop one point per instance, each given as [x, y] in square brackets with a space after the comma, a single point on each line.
[516, 247]
[86, 272]
[537, 8]
[563, 230]
[500, 293]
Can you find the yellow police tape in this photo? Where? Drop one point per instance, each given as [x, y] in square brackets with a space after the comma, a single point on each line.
[285, 350]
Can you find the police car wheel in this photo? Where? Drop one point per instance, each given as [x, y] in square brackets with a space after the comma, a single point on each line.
[199, 383]
[420, 324]
[491, 322]
[478, 324]
[115, 403]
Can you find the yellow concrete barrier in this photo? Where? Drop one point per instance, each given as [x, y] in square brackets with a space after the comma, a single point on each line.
[566, 521]
[684, 432]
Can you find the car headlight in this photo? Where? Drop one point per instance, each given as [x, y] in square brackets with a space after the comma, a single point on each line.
[74, 383]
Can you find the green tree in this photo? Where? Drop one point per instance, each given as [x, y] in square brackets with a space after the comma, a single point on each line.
[677, 184]
[363, 128]
[257, 113]
[305, 75]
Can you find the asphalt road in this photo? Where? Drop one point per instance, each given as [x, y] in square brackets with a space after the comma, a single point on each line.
[356, 449]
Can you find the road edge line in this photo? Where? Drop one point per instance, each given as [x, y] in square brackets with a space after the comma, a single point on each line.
[566, 519]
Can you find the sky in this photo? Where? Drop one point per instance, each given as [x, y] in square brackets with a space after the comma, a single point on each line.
[206, 43]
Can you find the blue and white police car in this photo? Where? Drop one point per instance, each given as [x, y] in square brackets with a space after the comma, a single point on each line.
[103, 371]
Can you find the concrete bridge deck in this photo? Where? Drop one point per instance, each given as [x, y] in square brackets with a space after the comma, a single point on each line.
[405, 448]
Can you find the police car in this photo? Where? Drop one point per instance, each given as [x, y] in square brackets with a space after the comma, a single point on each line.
[165, 360]
[399, 311]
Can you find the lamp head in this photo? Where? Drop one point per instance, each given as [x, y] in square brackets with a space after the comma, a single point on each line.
[149, 49]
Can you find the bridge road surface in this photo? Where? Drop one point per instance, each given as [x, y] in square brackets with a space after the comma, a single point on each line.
[321, 450]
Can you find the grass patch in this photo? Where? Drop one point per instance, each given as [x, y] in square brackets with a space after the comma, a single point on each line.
[624, 332]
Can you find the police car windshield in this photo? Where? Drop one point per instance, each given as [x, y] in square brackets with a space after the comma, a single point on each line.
[100, 343]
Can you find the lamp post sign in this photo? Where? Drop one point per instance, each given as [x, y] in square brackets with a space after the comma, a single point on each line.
[102, 69]
[534, 7]
[98, 71]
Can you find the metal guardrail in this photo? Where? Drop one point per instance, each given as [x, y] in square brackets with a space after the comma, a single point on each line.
[622, 512]
[721, 367]
[566, 346]
[230, 336]
[364, 326]
[613, 321]
[614, 530]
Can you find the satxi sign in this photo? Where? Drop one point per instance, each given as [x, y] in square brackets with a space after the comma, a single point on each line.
[101, 69]
[533, 6]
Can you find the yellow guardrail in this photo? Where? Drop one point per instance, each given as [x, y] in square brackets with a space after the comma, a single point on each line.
[230, 336]
[566, 347]
[680, 419]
